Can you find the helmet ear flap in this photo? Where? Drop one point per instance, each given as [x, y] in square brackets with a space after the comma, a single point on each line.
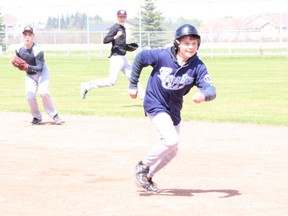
[176, 44]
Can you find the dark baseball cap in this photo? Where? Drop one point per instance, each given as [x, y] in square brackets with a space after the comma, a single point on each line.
[28, 29]
[121, 13]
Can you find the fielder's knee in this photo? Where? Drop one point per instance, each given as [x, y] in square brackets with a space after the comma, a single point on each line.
[44, 95]
[30, 96]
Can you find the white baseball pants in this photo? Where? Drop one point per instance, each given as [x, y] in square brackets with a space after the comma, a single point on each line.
[39, 82]
[165, 150]
[117, 64]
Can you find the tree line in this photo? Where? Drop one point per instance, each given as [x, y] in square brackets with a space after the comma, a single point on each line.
[74, 21]
[152, 23]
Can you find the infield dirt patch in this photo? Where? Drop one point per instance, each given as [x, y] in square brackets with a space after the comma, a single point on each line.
[85, 167]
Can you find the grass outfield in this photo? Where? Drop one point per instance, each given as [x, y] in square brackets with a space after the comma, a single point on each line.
[249, 89]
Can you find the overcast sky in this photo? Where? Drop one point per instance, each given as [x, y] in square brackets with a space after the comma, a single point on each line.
[38, 10]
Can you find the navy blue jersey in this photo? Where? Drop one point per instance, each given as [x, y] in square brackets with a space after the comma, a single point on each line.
[169, 82]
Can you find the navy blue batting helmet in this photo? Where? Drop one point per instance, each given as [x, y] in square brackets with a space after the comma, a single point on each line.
[184, 30]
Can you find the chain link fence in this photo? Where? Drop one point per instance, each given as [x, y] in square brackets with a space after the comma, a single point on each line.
[217, 43]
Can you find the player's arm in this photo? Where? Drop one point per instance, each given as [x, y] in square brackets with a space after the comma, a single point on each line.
[39, 60]
[137, 67]
[136, 71]
[142, 59]
[110, 35]
[209, 92]
[206, 87]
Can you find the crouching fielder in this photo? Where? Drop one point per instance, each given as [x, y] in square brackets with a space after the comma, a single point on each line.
[37, 77]
[175, 71]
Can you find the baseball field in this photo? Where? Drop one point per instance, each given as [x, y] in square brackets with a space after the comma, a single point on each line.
[232, 158]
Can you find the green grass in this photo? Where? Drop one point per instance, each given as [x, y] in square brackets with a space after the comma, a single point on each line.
[249, 89]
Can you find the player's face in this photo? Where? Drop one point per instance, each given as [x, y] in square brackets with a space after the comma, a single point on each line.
[121, 19]
[28, 39]
[188, 47]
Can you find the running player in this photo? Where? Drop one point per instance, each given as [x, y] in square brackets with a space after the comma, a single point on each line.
[175, 71]
[118, 59]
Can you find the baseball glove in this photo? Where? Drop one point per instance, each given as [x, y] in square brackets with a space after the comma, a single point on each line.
[131, 47]
[19, 63]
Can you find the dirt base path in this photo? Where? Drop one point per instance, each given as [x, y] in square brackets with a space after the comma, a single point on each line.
[85, 167]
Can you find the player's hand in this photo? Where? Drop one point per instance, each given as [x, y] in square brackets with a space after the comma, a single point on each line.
[133, 93]
[119, 33]
[198, 97]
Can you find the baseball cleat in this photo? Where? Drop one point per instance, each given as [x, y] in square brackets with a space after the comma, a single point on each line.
[152, 186]
[36, 121]
[83, 91]
[142, 181]
[58, 120]
[141, 171]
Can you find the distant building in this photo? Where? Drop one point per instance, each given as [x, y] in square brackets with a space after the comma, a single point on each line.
[269, 27]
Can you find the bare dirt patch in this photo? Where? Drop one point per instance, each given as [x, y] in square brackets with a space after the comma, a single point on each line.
[85, 167]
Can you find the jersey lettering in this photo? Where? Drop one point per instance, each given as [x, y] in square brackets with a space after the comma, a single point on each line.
[171, 82]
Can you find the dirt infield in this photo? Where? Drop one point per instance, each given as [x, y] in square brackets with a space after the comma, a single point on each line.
[85, 167]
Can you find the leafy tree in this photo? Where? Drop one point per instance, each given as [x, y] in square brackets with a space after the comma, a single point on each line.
[2, 32]
[151, 32]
